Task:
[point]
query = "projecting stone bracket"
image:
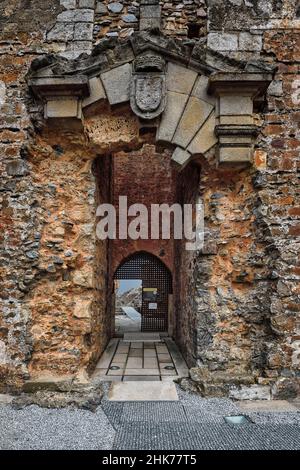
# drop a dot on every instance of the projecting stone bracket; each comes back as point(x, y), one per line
point(235, 126)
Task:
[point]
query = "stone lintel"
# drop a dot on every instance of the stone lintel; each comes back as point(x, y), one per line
point(241, 83)
point(60, 86)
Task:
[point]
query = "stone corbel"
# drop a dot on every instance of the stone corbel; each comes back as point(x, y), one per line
point(62, 96)
point(235, 125)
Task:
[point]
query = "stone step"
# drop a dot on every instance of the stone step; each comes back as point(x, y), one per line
point(144, 337)
point(142, 391)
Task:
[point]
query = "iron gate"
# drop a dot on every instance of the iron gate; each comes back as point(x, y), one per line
point(156, 287)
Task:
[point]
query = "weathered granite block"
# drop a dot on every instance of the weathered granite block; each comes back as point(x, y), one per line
point(83, 32)
point(205, 137)
point(86, 3)
point(97, 92)
point(222, 41)
point(78, 15)
point(115, 7)
point(61, 32)
point(117, 84)
point(181, 157)
point(171, 116)
point(61, 108)
point(250, 42)
point(180, 79)
point(233, 105)
point(194, 116)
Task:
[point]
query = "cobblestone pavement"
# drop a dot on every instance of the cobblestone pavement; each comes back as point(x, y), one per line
point(189, 424)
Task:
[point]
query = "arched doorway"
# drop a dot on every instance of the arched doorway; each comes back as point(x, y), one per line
point(156, 287)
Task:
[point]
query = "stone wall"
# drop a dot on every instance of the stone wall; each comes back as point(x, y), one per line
point(240, 327)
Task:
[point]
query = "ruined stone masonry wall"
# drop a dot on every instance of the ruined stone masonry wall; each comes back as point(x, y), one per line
point(241, 326)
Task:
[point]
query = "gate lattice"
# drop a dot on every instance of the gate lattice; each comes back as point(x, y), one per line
point(156, 287)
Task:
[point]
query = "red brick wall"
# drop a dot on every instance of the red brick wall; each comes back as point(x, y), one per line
point(145, 177)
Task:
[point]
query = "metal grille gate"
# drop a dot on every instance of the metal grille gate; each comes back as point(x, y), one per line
point(155, 276)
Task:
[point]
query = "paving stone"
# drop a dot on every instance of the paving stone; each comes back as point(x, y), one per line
point(205, 138)
point(140, 371)
point(120, 357)
point(163, 357)
point(149, 353)
point(194, 116)
point(108, 354)
point(144, 337)
point(180, 79)
point(143, 378)
point(137, 345)
point(136, 353)
point(150, 363)
point(134, 363)
point(143, 391)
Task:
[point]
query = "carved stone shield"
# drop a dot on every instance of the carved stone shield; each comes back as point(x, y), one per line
point(148, 95)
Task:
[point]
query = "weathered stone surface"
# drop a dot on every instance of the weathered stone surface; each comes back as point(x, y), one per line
point(86, 397)
point(129, 18)
point(230, 105)
point(254, 392)
point(78, 15)
point(170, 118)
point(194, 116)
point(181, 157)
point(200, 90)
point(115, 7)
point(83, 32)
point(86, 3)
point(286, 389)
point(180, 79)
point(61, 32)
point(62, 108)
point(97, 92)
point(205, 137)
point(17, 168)
point(222, 41)
point(117, 84)
point(250, 42)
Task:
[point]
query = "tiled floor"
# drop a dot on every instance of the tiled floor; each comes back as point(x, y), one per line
point(141, 360)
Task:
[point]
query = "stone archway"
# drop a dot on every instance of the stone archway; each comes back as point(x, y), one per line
point(203, 115)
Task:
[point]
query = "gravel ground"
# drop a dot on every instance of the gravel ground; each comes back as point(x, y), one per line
point(54, 429)
point(191, 423)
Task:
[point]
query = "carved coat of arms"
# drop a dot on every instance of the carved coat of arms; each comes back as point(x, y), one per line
point(148, 96)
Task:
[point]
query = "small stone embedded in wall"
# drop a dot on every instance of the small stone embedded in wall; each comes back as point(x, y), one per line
point(115, 7)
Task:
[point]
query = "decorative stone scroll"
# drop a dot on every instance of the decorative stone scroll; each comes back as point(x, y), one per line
point(148, 86)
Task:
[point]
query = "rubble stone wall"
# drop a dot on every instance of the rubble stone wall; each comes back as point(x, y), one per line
point(240, 328)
